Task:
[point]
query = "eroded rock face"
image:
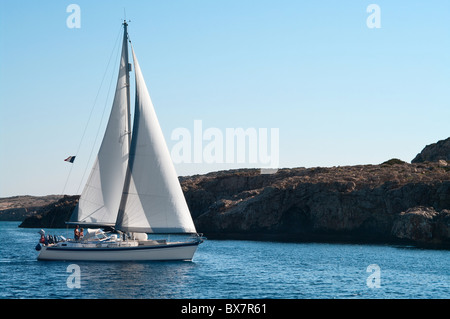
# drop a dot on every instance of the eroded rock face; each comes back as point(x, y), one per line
point(53, 215)
point(423, 225)
point(17, 208)
point(435, 152)
point(354, 203)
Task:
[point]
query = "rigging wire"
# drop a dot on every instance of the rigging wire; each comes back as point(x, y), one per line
point(90, 116)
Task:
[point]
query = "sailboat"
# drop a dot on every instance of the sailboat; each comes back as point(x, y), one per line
point(132, 190)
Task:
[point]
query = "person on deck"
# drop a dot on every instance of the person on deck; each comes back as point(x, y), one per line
point(42, 233)
point(76, 233)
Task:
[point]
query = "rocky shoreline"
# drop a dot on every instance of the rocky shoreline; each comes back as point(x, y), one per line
point(53, 215)
point(393, 202)
point(363, 204)
point(18, 208)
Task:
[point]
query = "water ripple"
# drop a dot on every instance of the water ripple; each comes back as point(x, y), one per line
point(230, 269)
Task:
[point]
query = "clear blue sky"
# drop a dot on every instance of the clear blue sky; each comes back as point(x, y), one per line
point(339, 92)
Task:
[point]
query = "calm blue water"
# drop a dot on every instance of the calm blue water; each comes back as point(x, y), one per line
point(229, 269)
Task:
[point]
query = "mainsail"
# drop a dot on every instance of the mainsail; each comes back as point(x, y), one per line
point(133, 185)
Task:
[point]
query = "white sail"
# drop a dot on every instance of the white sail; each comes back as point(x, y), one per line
point(100, 199)
point(153, 201)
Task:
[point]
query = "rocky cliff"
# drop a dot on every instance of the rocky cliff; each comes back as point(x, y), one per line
point(53, 215)
point(423, 225)
point(354, 203)
point(434, 152)
point(17, 208)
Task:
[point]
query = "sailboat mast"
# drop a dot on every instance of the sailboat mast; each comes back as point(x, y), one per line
point(127, 78)
point(126, 184)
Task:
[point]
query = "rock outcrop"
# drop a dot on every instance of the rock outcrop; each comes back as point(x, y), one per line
point(17, 208)
point(423, 225)
point(53, 215)
point(435, 152)
point(353, 203)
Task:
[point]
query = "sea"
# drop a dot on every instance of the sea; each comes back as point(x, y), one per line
point(228, 269)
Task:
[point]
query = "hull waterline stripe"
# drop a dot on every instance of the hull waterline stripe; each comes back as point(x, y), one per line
point(96, 249)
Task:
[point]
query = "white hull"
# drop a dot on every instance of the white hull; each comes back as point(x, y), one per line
point(162, 252)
